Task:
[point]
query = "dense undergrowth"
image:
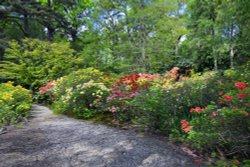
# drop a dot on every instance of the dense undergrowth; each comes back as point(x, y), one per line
point(209, 112)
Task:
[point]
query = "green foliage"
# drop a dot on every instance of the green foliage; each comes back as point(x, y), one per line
point(80, 93)
point(224, 125)
point(241, 73)
point(35, 62)
point(162, 106)
point(15, 102)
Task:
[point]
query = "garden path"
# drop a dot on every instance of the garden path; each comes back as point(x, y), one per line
point(49, 140)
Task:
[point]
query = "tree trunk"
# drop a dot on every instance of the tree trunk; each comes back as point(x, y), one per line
point(231, 57)
point(215, 60)
point(26, 26)
point(51, 31)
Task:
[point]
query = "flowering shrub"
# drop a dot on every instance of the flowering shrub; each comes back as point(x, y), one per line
point(45, 94)
point(125, 90)
point(224, 125)
point(15, 103)
point(81, 93)
point(162, 107)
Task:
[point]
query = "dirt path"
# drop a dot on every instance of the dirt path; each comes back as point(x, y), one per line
point(58, 141)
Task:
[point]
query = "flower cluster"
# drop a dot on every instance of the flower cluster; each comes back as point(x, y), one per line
point(127, 88)
point(145, 80)
point(197, 109)
point(240, 85)
point(15, 102)
point(48, 87)
point(129, 82)
point(185, 126)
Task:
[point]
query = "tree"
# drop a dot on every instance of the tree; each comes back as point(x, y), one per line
point(35, 62)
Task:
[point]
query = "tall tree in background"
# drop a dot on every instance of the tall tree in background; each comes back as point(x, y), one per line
point(139, 35)
point(203, 33)
point(136, 35)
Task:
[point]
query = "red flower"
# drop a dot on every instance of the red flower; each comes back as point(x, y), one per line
point(227, 98)
point(240, 85)
point(185, 126)
point(241, 96)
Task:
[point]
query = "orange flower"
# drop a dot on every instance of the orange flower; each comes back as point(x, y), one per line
point(185, 126)
point(187, 129)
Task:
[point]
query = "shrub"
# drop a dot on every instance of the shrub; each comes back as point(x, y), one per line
point(81, 93)
point(45, 94)
point(224, 125)
point(163, 107)
point(124, 91)
point(15, 103)
point(35, 62)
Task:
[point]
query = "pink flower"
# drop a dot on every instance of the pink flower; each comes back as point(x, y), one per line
point(192, 110)
point(42, 90)
point(198, 109)
point(113, 109)
point(109, 98)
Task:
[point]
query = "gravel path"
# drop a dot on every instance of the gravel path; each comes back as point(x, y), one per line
point(58, 141)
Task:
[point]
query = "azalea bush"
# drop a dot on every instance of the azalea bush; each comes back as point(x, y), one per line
point(45, 94)
point(223, 125)
point(124, 91)
point(15, 103)
point(162, 106)
point(80, 94)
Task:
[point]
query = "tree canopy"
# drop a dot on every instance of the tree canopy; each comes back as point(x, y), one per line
point(135, 35)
